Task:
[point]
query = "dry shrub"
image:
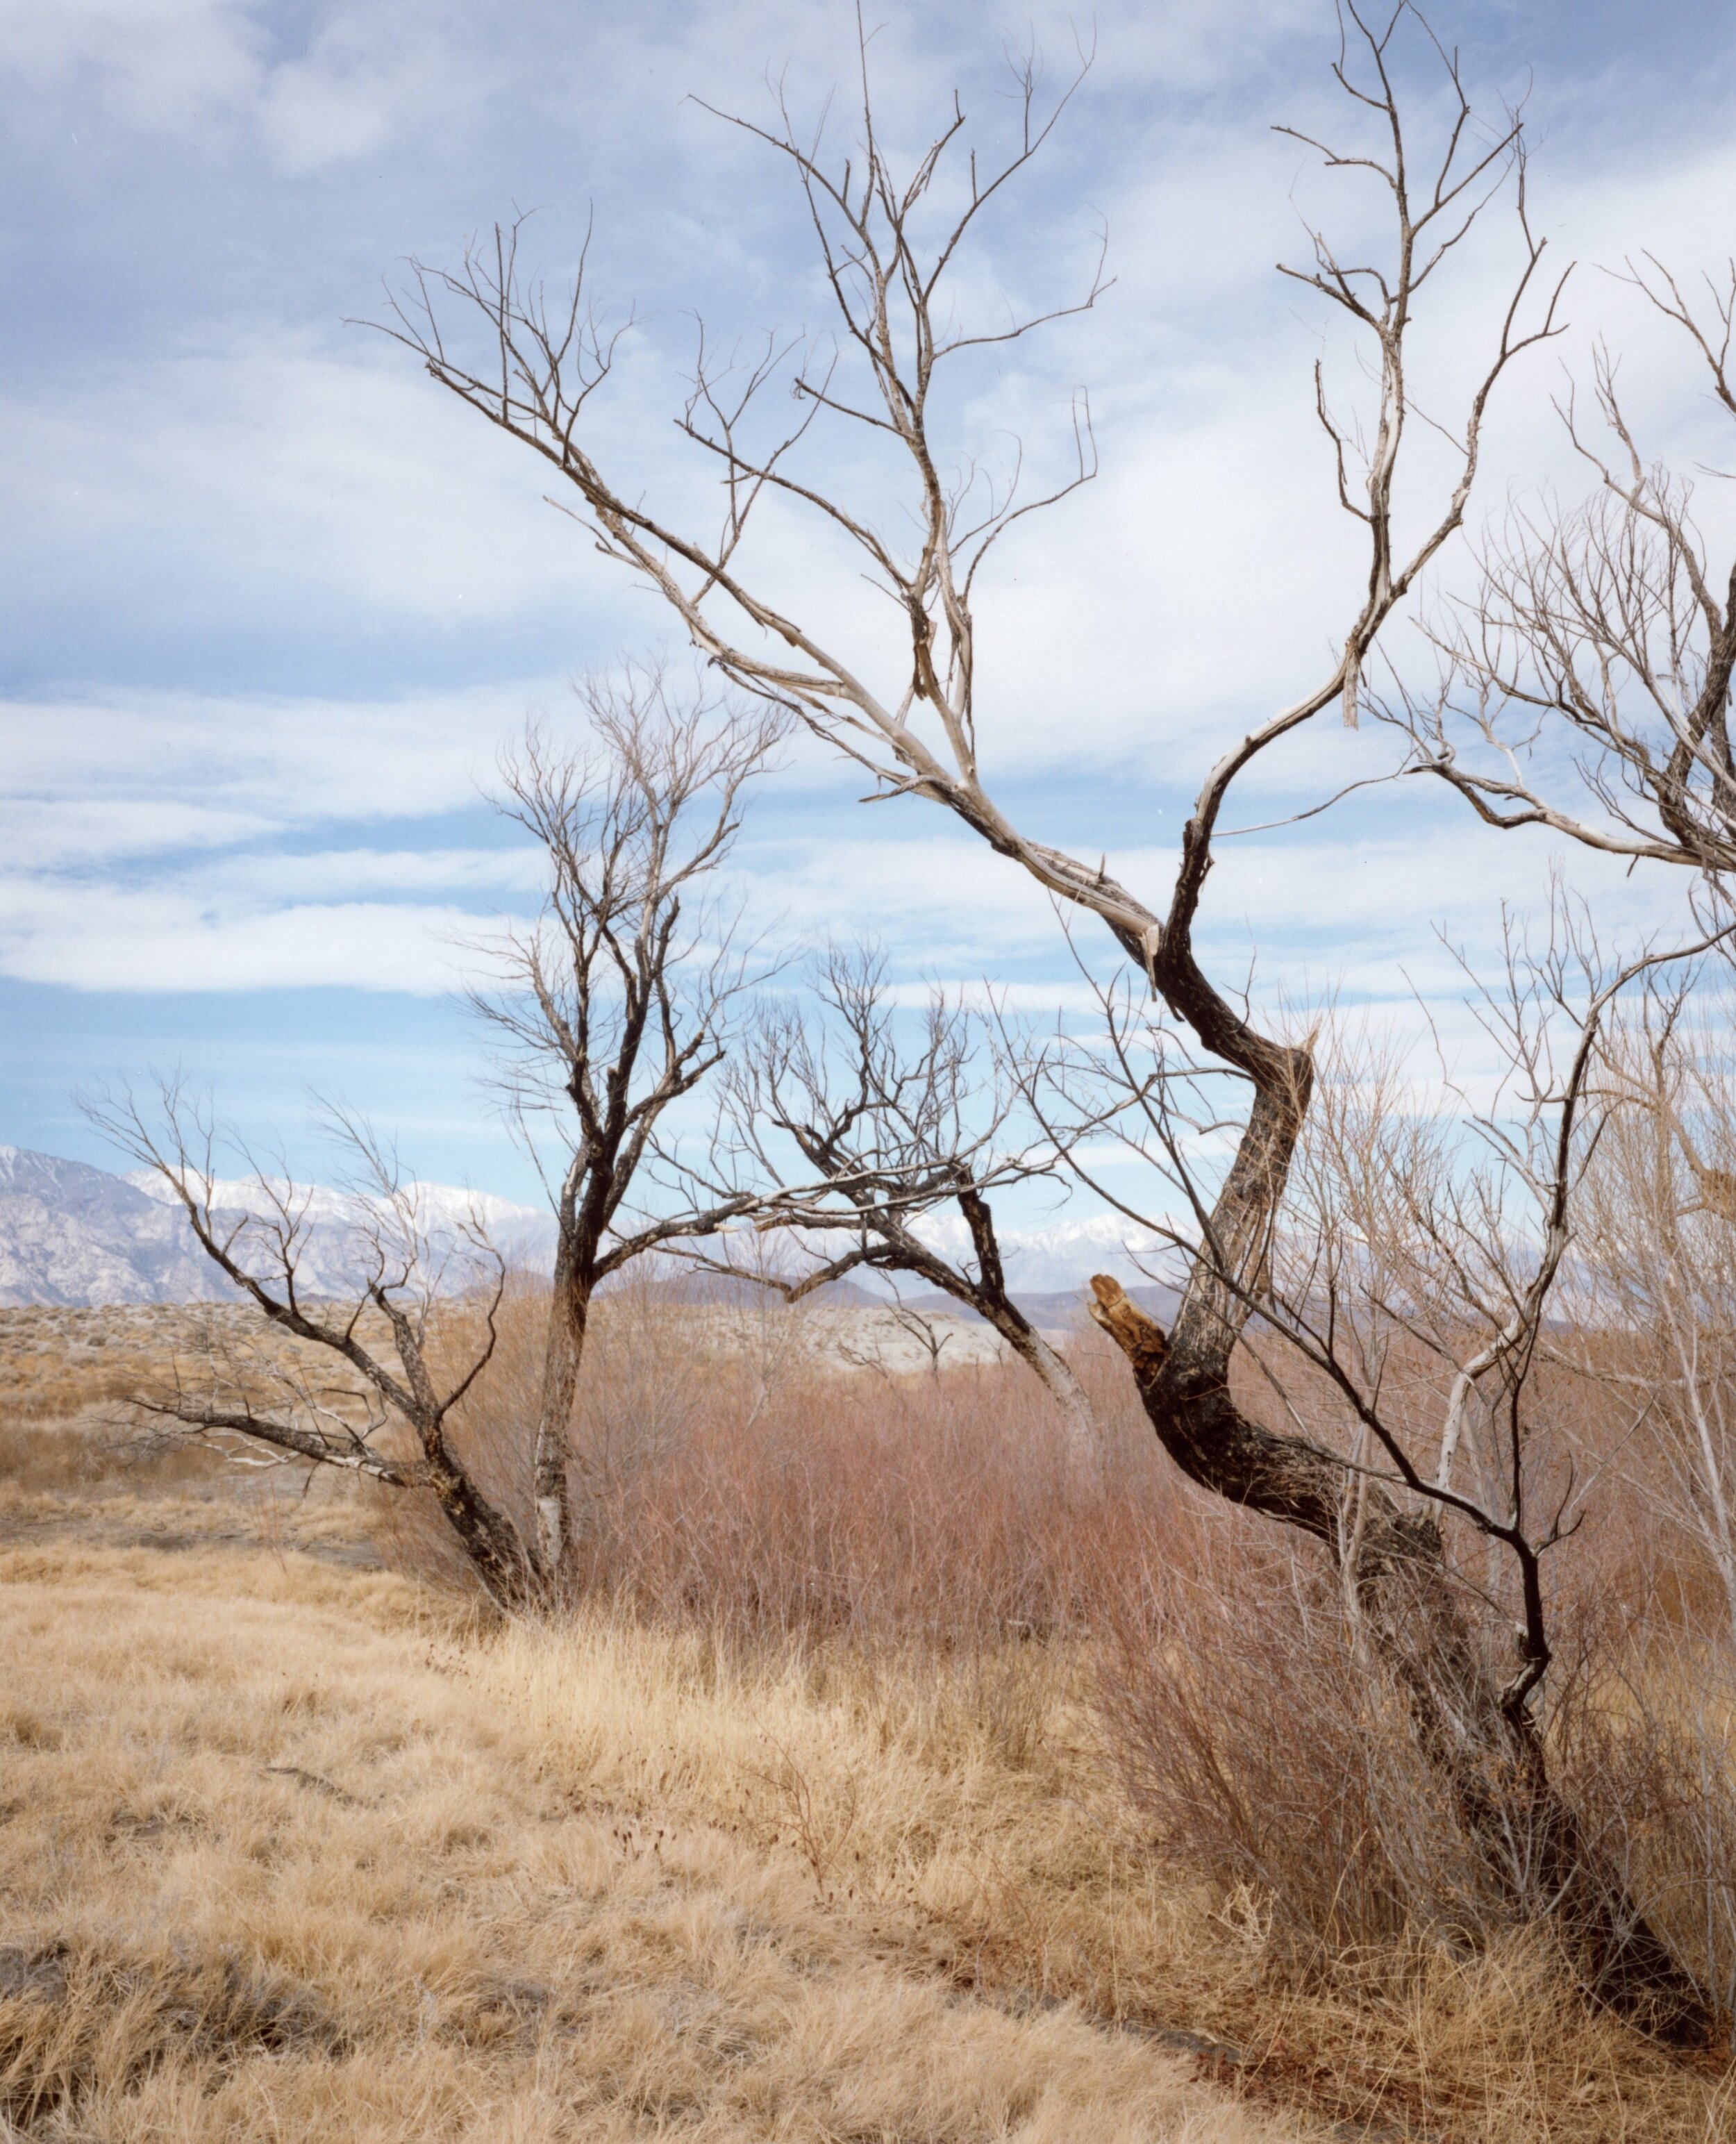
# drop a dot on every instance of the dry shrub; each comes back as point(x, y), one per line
point(273, 1762)
point(1643, 1735)
point(283, 1859)
point(1272, 1764)
point(58, 1361)
point(727, 1475)
point(733, 1483)
point(96, 1453)
point(1269, 1762)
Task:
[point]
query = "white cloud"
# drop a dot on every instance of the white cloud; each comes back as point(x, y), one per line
point(268, 473)
point(100, 884)
point(1208, 578)
point(59, 831)
point(156, 65)
point(217, 767)
point(226, 75)
point(246, 475)
point(370, 73)
point(517, 872)
point(102, 938)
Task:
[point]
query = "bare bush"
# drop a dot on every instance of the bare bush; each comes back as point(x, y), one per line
point(808, 1500)
point(855, 1137)
point(1265, 1761)
point(930, 1517)
point(1656, 1315)
point(376, 1321)
point(1268, 1763)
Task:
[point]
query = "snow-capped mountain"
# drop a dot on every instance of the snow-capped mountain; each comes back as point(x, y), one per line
point(523, 1235)
point(73, 1233)
point(70, 1234)
point(1062, 1256)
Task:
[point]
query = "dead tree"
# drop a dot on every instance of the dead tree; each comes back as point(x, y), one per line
point(371, 1300)
point(888, 245)
point(1607, 623)
point(849, 1135)
point(1398, 1271)
point(1659, 1278)
point(614, 1006)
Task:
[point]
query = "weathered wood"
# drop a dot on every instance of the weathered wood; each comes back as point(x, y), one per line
point(1489, 1750)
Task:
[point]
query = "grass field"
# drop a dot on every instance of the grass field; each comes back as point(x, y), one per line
point(293, 1845)
point(287, 1853)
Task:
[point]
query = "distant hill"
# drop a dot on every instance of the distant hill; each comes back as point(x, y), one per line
point(70, 1233)
point(73, 1233)
point(737, 1292)
point(523, 1235)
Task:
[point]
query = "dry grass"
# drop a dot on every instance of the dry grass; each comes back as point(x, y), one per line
point(76, 1460)
point(286, 1856)
point(288, 1852)
point(806, 1826)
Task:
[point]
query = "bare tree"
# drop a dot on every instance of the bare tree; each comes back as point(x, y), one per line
point(1399, 1315)
point(849, 1135)
point(614, 1005)
point(1606, 622)
point(372, 1302)
point(888, 245)
point(1656, 1318)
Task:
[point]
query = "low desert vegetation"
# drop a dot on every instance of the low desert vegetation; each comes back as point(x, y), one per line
point(1320, 1697)
point(287, 1854)
point(888, 1781)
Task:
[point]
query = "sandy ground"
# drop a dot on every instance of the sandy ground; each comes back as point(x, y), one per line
point(55, 1359)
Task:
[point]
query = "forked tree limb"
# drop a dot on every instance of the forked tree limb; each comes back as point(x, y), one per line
point(917, 736)
point(845, 1127)
point(264, 1260)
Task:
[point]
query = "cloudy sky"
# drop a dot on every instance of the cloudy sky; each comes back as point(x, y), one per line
point(273, 603)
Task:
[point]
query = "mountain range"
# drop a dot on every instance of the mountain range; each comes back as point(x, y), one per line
point(73, 1233)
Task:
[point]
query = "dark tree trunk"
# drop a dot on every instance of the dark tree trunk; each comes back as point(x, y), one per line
point(489, 1538)
point(1483, 1741)
point(1487, 1748)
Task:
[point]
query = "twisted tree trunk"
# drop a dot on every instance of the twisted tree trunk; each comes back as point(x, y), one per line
point(1483, 1741)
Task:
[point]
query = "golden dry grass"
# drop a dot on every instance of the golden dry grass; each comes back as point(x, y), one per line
point(971, 1824)
point(291, 1847)
point(288, 1851)
point(284, 1855)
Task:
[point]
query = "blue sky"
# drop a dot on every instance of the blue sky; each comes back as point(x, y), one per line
point(272, 603)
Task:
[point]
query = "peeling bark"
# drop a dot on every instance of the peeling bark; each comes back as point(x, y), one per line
point(569, 1309)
